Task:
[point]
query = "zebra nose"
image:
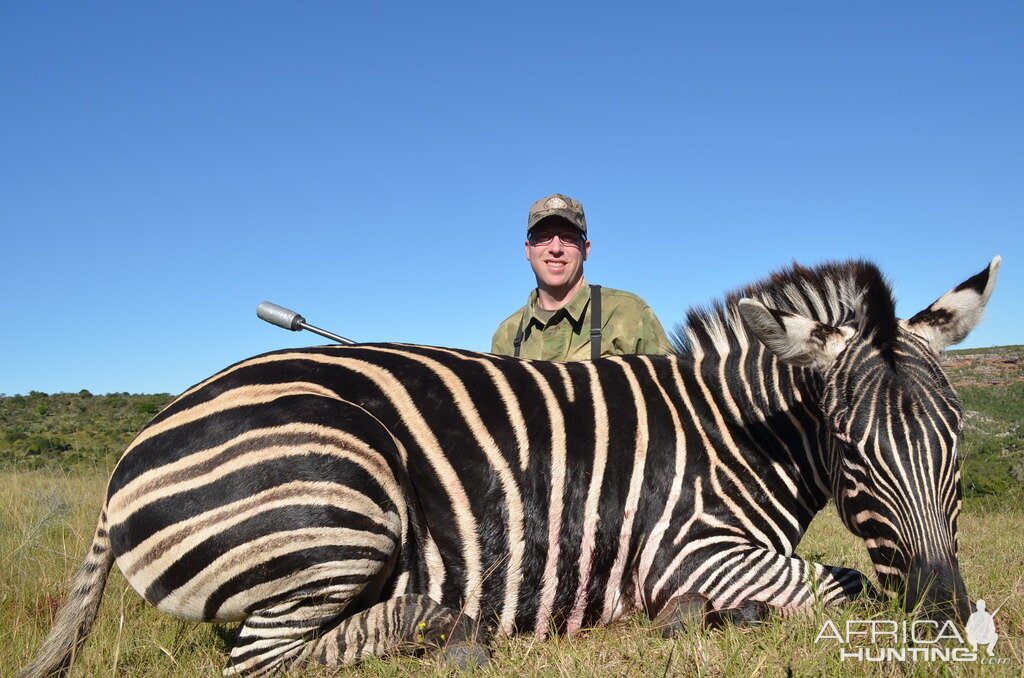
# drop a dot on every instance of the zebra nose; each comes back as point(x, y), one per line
point(935, 589)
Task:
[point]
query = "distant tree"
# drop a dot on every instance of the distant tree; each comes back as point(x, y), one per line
point(41, 444)
point(147, 407)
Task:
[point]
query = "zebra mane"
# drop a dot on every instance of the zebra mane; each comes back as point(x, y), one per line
point(839, 293)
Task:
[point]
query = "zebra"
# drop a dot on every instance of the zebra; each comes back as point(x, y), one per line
point(348, 501)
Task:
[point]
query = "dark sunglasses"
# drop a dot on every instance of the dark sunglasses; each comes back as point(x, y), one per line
point(568, 238)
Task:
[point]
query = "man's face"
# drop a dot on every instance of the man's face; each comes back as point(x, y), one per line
point(556, 264)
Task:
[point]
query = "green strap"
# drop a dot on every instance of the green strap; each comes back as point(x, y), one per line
point(518, 341)
point(595, 322)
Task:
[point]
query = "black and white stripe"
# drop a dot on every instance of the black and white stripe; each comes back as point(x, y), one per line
point(354, 500)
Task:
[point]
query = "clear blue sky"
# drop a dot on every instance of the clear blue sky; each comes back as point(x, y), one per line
point(164, 167)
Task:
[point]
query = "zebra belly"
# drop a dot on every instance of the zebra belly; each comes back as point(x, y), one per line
point(567, 572)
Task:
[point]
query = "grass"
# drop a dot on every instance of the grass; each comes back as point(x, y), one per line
point(46, 522)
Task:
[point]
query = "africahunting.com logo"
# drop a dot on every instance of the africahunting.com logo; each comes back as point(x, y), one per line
point(922, 640)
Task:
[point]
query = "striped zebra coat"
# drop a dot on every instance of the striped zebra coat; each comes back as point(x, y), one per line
point(343, 501)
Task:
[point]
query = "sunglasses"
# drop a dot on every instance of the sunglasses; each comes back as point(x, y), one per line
point(568, 238)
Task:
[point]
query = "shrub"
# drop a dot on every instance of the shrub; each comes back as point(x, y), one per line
point(147, 407)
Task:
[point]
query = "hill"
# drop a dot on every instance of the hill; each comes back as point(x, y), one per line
point(72, 430)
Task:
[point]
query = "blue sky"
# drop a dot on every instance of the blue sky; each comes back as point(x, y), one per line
point(166, 167)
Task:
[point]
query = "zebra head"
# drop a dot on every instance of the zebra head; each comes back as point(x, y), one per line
point(893, 423)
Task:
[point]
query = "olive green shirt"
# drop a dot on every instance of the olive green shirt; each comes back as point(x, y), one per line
point(628, 325)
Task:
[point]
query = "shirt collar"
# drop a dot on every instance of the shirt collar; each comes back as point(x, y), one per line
point(574, 309)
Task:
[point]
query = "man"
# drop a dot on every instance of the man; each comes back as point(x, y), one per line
point(557, 322)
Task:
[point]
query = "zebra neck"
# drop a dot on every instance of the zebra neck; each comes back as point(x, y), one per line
point(767, 418)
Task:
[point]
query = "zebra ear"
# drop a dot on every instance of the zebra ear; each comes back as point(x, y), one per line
point(952, 316)
point(793, 338)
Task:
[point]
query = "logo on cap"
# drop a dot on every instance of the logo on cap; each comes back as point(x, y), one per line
point(556, 204)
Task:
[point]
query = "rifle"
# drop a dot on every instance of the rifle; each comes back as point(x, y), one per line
point(290, 320)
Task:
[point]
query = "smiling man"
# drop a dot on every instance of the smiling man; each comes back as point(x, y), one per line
point(565, 318)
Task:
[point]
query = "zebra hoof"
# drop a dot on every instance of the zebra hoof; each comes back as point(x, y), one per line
point(680, 612)
point(466, 656)
point(749, 613)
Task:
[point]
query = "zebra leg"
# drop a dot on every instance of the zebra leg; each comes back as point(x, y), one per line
point(273, 637)
point(744, 588)
point(786, 583)
point(404, 624)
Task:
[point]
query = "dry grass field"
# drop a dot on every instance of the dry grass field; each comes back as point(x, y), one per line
point(46, 522)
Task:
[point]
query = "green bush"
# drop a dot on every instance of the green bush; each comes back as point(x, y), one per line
point(147, 407)
point(38, 444)
point(987, 475)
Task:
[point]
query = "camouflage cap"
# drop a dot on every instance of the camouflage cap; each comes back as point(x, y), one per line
point(558, 205)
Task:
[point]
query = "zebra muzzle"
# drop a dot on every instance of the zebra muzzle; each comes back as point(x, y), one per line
point(935, 589)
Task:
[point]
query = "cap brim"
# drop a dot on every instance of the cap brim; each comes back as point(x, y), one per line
point(541, 216)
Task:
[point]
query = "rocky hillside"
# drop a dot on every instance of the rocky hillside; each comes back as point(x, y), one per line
point(997, 366)
point(991, 383)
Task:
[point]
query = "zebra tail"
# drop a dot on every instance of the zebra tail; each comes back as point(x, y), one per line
point(75, 618)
